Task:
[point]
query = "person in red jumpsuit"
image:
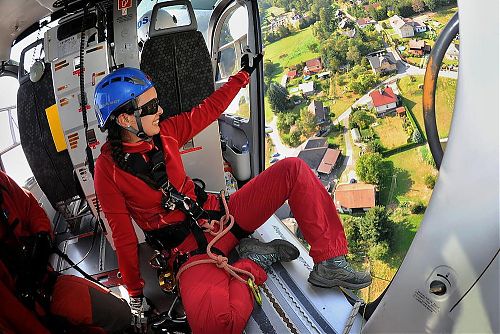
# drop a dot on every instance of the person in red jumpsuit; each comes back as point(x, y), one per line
point(215, 302)
point(35, 299)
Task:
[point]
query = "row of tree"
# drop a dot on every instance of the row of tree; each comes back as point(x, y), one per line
point(405, 8)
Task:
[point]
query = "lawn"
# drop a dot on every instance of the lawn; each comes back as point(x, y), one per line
point(443, 15)
point(445, 101)
point(408, 185)
point(270, 150)
point(268, 110)
point(336, 138)
point(291, 50)
point(405, 228)
point(390, 131)
point(276, 11)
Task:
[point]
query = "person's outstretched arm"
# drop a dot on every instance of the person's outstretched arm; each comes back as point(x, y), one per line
point(186, 125)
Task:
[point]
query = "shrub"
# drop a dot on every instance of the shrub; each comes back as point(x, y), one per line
point(430, 181)
point(378, 251)
point(417, 208)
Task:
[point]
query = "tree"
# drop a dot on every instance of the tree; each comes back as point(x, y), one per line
point(417, 5)
point(374, 146)
point(307, 122)
point(286, 120)
point(269, 68)
point(431, 4)
point(369, 168)
point(360, 119)
point(351, 228)
point(353, 54)
point(376, 226)
point(278, 97)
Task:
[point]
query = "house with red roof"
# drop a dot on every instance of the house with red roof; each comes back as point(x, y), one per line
point(365, 22)
point(353, 197)
point(384, 100)
point(313, 66)
point(292, 74)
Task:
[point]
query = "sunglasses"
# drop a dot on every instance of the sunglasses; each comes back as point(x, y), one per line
point(149, 108)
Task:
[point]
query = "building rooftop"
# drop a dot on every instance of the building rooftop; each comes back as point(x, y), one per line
point(355, 195)
point(381, 98)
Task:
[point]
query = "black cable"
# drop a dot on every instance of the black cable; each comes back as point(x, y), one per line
point(70, 262)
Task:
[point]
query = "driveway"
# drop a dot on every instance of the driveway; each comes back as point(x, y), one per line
point(279, 146)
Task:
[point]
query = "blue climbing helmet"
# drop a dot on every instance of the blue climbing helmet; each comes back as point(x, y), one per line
point(119, 90)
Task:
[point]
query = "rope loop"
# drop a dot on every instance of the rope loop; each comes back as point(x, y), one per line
point(219, 260)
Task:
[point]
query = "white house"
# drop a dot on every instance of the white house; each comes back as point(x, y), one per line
point(307, 88)
point(402, 26)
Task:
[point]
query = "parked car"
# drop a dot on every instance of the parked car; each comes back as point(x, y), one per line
point(321, 133)
point(275, 155)
point(273, 160)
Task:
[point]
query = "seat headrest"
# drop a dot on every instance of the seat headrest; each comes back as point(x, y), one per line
point(172, 17)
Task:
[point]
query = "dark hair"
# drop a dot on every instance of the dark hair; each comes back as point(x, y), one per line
point(115, 140)
point(119, 157)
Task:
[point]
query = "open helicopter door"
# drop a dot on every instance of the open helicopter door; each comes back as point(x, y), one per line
point(449, 280)
point(290, 303)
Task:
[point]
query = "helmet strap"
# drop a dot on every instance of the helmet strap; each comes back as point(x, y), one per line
point(140, 131)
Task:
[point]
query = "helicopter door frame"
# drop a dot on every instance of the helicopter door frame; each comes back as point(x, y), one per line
point(254, 129)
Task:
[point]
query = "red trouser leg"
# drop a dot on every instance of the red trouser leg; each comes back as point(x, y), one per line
point(216, 302)
point(84, 303)
point(291, 179)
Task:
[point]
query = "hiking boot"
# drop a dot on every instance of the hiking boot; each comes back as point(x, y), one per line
point(338, 272)
point(265, 254)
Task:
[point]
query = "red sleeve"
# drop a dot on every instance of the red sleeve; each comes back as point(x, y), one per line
point(26, 207)
point(186, 125)
point(114, 207)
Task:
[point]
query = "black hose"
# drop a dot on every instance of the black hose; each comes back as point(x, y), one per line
point(430, 81)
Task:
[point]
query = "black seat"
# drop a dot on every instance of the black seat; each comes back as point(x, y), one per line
point(178, 61)
point(52, 170)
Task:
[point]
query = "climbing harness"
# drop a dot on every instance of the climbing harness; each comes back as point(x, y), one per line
point(168, 238)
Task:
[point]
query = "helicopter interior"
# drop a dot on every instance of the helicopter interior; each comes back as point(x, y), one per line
point(189, 49)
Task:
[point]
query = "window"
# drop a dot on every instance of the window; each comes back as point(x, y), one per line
point(231, 45)
point(11, 154)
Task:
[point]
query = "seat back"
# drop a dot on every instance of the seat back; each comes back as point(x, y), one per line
point(52, 170)
point(178, 61)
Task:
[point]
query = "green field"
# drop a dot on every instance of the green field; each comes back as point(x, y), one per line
point(276, 11)
point(290, 51)
point(443, 15)
point(390, 131)
point(445, 101)
point(409, 185)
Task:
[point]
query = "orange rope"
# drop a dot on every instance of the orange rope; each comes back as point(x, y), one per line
point(219, 260)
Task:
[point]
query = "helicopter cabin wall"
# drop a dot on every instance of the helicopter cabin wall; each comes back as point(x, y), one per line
point(202, 156)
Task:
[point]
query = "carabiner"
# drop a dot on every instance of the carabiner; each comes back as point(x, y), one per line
point(255, 291)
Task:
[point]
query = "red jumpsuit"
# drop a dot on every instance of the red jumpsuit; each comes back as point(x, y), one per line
point(214, 301)
point(79, 301)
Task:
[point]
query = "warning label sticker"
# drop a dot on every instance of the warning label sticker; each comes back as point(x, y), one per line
point(428, 303)
point(124, 4)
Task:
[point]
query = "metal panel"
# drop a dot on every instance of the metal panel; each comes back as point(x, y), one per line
point(459, 234)
point(125, 34)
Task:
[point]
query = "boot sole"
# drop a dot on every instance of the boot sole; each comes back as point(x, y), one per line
point(278, 245)
point(330, 283)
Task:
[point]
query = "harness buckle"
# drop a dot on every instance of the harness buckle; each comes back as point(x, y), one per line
point(255, 291)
